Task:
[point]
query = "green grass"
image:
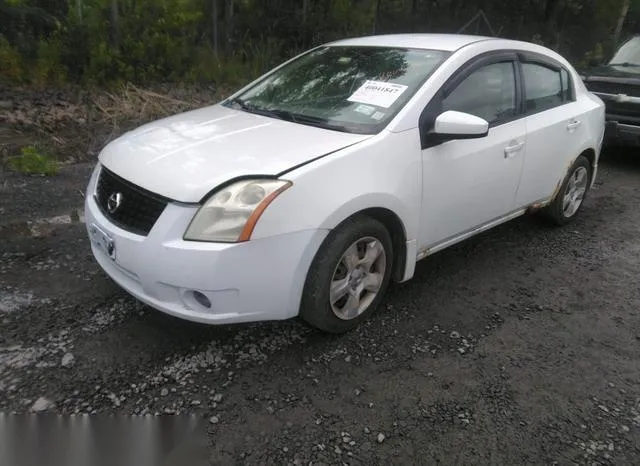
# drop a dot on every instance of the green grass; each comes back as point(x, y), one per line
point(32, 161)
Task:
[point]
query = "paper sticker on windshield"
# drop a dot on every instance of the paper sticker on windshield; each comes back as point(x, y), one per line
point(378, 93)
point(365, 109)
point(377, 116)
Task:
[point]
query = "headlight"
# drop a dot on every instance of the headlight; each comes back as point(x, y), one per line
point(230, 215)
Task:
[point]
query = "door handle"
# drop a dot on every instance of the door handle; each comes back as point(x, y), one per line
point(512, 149)
point(573, 125)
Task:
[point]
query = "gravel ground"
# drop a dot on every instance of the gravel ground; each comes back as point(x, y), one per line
point(520, 346)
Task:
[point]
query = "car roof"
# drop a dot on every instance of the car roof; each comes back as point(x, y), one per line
point(446, 42)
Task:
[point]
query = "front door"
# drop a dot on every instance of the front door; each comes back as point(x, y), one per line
point(469, 183)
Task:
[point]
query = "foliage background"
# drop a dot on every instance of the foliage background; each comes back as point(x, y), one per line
point(75, 74)
point(227, 42)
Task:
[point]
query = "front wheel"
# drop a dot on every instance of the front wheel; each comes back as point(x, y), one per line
point(348, 276)
point(571, 194)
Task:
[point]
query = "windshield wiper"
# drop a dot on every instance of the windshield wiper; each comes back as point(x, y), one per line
point(320, 123)
point(287, 115)
point(275, 112)
point(270, 112)
point(626, 64)
point(240, 103)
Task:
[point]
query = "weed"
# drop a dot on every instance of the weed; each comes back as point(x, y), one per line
point(32, 161)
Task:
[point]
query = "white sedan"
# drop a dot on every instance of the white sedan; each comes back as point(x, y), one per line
point(309, 190)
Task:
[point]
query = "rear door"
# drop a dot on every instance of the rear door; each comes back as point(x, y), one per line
point(556, 127)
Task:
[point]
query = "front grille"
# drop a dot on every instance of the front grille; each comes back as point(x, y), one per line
point(607, 87)
point(139, 209)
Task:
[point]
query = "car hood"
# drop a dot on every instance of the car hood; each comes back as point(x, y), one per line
point(185, 156)
point(617, 74)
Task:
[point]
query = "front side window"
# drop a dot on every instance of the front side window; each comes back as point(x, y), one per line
point(347, 88)
point(543, 87)
point(489, 93)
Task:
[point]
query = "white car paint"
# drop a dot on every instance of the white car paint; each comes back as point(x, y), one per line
point(550, 132)
point(440, 194)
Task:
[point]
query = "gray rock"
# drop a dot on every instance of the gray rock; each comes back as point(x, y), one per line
point(381, 437)
point(41, 404)
point(214, 420)
point(68, 360)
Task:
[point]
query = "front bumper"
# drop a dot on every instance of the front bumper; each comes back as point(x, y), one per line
point(622, 119)
point(624, 134)
point(244, 282)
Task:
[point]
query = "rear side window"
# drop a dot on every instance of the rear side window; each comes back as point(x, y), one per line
point(545, 87)
point(489, 93)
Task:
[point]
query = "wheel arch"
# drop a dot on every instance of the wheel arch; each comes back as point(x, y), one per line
point(396, 229)
point(388, 212)
point(591, 155)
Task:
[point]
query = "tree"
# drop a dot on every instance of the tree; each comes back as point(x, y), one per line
point(621, 19)
point(214, 26)
point(143, 40)
point(115, 24)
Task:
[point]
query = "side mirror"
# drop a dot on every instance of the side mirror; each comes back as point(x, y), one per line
point(452, 125)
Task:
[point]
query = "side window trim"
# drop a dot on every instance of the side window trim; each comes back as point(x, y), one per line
point(473, 65)
point(433, 108)
point(571, 89)
point(533, 57)
point(541, 60)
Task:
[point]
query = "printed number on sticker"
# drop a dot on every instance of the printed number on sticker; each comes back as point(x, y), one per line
point(378, 93)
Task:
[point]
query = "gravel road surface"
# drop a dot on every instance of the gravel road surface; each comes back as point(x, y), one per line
point(520, 346)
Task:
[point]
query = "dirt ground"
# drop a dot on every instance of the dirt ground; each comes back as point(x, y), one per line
point(519, 346)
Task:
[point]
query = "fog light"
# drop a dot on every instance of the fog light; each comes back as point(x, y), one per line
point(201, 299)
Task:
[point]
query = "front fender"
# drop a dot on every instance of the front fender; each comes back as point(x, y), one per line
point(364, 202)
point(382, 172)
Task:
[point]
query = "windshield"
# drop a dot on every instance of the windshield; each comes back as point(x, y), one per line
point(628, 54)
point(345, 88)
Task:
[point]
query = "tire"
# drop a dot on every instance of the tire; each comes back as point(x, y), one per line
point(344, 262)
point(578, 177)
